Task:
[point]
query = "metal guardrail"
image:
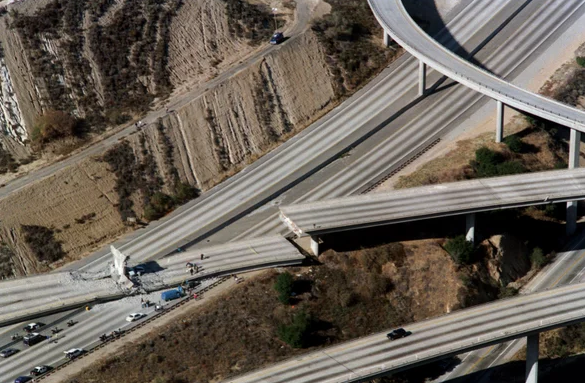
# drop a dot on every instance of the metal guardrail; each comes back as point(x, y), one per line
point(99, 344)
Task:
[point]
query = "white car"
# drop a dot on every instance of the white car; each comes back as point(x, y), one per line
point(73, 353)
point(134, 316)
point(32, 326)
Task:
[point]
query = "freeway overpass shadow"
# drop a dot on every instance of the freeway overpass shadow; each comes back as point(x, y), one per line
point(539, 226)
point(429, 18)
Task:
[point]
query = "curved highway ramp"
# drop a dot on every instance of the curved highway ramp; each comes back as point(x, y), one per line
point(434, 201)
point(393, 17)
point(373, 356)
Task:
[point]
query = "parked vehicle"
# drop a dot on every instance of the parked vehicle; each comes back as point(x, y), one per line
point(277, 38)
point(136, 271)
point(8, 352)
point(23, 379)
point(397, 334)
point(33, 338)
point(40, 370)
point(134, 316)
point(73, 353)
point(169, 295)
point(32, 327)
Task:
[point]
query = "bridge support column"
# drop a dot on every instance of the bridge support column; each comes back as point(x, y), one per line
point(500, 121)
point(470, 227)
point(315, 245)
point(574, 154)
point(387, 39)
point(422, 78)
point(532, 359)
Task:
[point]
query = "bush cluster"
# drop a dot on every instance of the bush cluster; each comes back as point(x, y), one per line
point(253, 22)
point(347, 35)
point(43, 243)
point(297, 333)
point(537, 258)
point(460, 249)
point(489, 163)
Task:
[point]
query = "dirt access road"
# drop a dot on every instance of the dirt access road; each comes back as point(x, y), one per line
point(304, 10)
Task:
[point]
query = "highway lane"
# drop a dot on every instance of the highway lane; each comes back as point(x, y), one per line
point(101, 319)
point(433, 201)
point(568, 267)
point(397, 22)
point(433, 339)
point(364, 167)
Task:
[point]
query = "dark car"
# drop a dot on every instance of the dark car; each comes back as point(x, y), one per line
point(8, 352)
point(32, 339)
point(277, 38)
point(40, 370)
point(397, 334)
point(23, 379)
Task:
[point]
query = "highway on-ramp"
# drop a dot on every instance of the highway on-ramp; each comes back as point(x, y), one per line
point(394, 18)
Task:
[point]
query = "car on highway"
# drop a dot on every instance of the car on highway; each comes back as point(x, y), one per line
point(33, 326)
point(33, 338)
point(277, 38)
point(73, 353)
point(23, 379)
point(397, 334)
point(40, 370)
point(8, 352)
point(134, 316)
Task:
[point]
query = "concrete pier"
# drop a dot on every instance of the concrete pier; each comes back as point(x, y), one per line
point(422, 78)
point(532, 358)
point(499, 121)
point(387, 39)
point(574, 154)
point(470, 227)
point(315, 246)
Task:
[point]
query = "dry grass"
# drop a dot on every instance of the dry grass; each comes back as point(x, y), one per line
point(545, 152)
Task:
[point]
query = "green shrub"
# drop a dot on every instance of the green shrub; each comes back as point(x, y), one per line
point(537, 258)
point(460, 249)
point(510, 168)
point(514, 143)
point(159, 205)
point(185, 192)
point(284, 287)
point(296, 334)
point(489, 163)
point(580, 60)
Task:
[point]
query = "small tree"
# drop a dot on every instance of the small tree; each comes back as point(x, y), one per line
point(52, 125)
point(460, 249)
point(537, 258)
point(296, 334)
point(580, 60)
point(284, 287)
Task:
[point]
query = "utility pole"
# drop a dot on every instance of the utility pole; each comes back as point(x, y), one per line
point(274, 10)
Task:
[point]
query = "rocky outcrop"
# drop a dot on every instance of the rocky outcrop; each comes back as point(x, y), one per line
point(507, 258)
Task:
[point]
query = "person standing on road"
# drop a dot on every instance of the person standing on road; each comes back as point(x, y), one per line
point(201, 256)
